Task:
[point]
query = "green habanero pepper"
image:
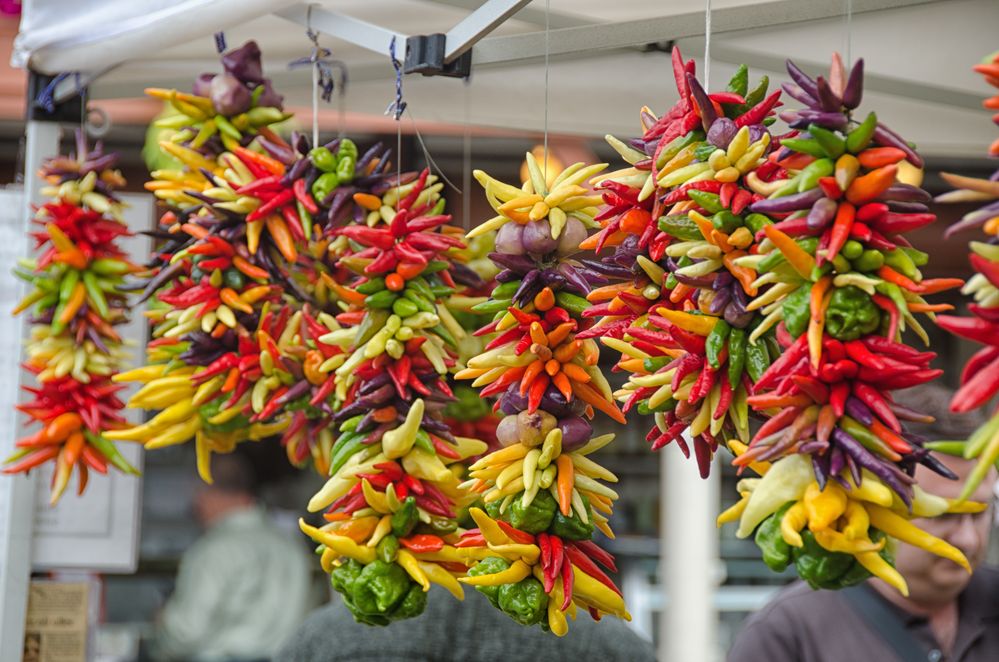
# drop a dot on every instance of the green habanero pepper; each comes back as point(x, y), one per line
point(324, 185)
point(776, 552)
point(489, 566)
point(538, 515)
point(404, 519)
point(413, 604)
point(817, 565)
point(525, 602)
point(737, 340)
point(573, 528)
point(493, 508)
point(345, 169)
point(347, 149)
point(323, 159)
point(797, 310)
point(851, 314)
point(716, 342)
point(380, 587)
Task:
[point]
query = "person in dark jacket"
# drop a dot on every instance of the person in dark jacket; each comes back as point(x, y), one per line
point(949, 615)
point(451, 631)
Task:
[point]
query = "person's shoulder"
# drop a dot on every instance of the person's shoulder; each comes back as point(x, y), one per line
point(796, 603)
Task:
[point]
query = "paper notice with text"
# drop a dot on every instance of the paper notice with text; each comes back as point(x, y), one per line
point(56, 627)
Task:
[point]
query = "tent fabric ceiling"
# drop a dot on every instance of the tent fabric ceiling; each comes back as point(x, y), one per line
point(918, 58)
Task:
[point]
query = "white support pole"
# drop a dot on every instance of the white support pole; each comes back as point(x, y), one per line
point(17, 512)
point(373, 37)
point(689, 559)
point(478, 24)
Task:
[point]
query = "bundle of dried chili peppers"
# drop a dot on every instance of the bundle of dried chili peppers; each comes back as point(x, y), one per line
point(678, 308)
point(74, 349)
point(844, 285)
point(392, 502)
point(531, 551)
point(980, 378)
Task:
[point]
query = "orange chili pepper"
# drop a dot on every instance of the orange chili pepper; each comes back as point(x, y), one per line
point(576, 373)
point(929, 307)
point(195, 231)
point(869, 186)
point(368, 201)
point(310, 367)
point(608, 292)
point(545, 299)
point(744, 275)
point(229, 297)
point(565, 481)
point(593, 397)
point(248, 269)
point(230, 380)
point(282, 237)
point(562, 383)
point(560, 333)
point(384, 415)
point(590, 243)
point(272, 166)
point(635, 220)
point(818, 291)
point(552, 367)
point(73, 304)
point(61, 426)
point(840, 231)
point(534, 369)
point(565, 352)
point(394, 282)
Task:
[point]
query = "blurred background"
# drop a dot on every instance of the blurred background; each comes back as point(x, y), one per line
point(918, 57)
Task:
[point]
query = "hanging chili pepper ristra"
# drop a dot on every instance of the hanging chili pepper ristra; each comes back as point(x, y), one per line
point(74, 349)
point(836, 458)
point(392, 500)
point(541, 494)
point(980, 378)
point(679, 222)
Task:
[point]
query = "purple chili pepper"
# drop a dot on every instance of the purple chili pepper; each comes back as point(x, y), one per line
point(854, 90)
point(827, 98)
point(794, 202)
point(859, 411)
point(821, 214)
point(802, 79)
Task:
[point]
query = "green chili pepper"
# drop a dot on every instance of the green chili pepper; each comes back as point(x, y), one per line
point(506, 290)
point(870, 260)
point(234, 278)
point(371, 286)
point(95, 295)
point(404, 519)
point(674, 146)
point(323, 159)
point(797, 311)
point(858, 139)
point(757, 93)
point(324, 185)
point(654, 363)
point(809, 177)
point(851, 314)
point(918, 257)
point(841, 265)
point(387, 548)
point(525, 602)
point(575, 305)
point(345, 447)
point(739, 82)
point(715, 342)
point(422, 303)
point(756, 222)
point(726, 221)
point(351, 423)
point(489, 566)
point(776, 552)
point(680, 227)
point(737, 340)
point(671, 282)
point(710, 202)
point(573, 528)
point(536, 517)
point(833, 144)
point(211, 409)
point(703, 152)
point(808, 146)
point(757, 359)
point(404, 307)
point(382, 299)
point(900, 261)
point(893, 292)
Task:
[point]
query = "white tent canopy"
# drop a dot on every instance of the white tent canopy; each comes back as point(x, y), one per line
point(918, 54)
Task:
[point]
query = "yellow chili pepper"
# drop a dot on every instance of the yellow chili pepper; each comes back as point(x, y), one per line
point(899, 527)
point(412, 567)
point(518, 570)
point(792, 523)
point(340, 544)
point(824, 506)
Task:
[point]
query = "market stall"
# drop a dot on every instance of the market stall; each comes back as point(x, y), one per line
point(313, 291)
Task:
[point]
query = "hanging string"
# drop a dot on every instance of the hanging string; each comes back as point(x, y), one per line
point(426, 154)
point(323, 80)
point(707, 46)
point(547, 55)
point(397, 107)
point(466, 165)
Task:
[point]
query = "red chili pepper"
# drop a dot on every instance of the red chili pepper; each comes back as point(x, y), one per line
point(516, 534)
point(978, 390)
point(261, 184)
point(794, 353)
point(837, 398)
point(584, 563)
point(873, 399)
point(272, 205)
point(979, 360)
point(423, 542)
point(815, 389)
point(303, 196)
point(567, 582)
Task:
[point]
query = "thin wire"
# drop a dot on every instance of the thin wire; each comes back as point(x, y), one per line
point(397, 107)
point(426, 154)
point(547, 54)
point(341, 112)
point(466, 166)
point(315, 83)
point(707, 46)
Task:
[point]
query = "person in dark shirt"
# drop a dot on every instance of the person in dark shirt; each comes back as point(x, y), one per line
point(949, 616)
point(451, 631)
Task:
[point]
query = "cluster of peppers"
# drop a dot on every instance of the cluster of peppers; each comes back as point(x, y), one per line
point(531, 551)
point(767, 278)
point(77, 299)
point(980, 378)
